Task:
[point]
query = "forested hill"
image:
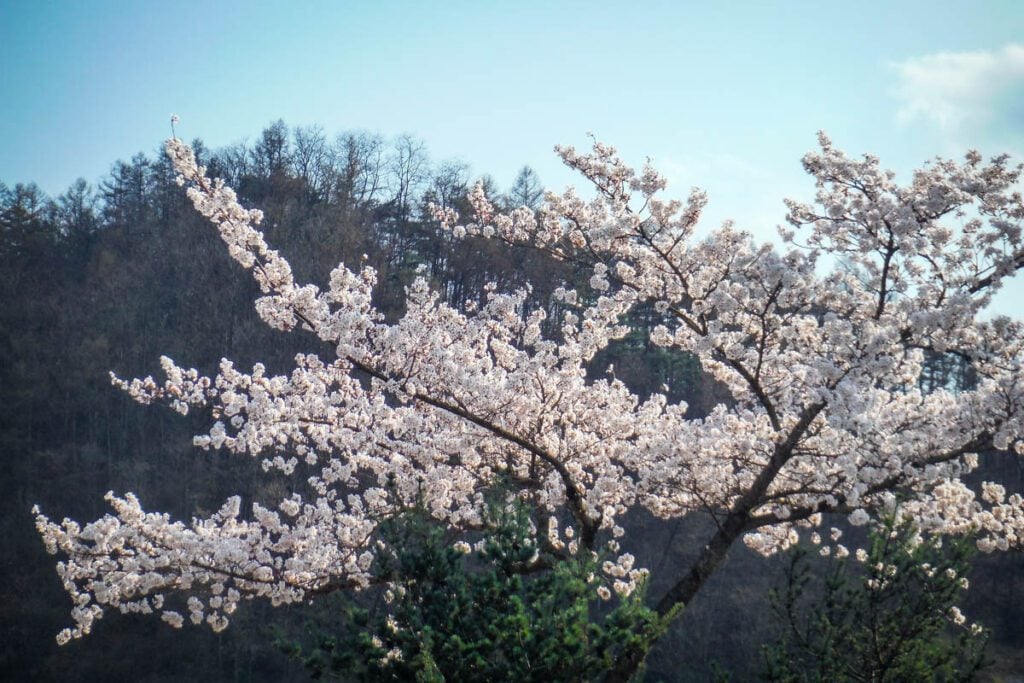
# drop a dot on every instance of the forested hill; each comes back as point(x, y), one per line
point(111, 277)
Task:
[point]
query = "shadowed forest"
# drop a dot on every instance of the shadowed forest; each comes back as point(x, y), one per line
point(108, 278)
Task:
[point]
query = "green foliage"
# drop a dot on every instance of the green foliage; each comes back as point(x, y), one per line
point(891, 616)
point(502, 612)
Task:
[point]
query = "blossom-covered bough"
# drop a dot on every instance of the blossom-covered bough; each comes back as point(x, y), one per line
point(824, 416)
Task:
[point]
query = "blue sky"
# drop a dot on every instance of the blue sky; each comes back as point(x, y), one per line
point(723, 95)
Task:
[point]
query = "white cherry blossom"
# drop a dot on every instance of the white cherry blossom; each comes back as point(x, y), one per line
point(824, 415)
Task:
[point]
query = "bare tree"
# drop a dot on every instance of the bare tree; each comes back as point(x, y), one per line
point(526, 190)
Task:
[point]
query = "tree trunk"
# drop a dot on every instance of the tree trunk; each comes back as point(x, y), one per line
point(683, 592)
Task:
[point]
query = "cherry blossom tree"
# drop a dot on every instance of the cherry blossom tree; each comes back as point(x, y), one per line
point(824, 414)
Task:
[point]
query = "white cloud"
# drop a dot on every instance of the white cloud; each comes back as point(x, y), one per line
point(963, 91)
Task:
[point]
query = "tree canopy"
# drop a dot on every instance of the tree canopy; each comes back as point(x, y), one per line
point(823, 412)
